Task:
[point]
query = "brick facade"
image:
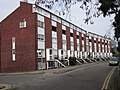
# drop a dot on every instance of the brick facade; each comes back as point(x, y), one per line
point(26, 39)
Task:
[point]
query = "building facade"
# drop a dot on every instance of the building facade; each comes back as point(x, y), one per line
point(32, 38)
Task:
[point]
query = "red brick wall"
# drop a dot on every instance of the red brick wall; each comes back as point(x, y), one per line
point(48, 33)
point(110, 46)
point(92, 39)
point(97, 45)
point(80, 40)
point(59, 35)
point(75, 40)
point(101, 44)
point(104, 47)
point(68, 37)
point(85, 42)
point(107, 47)
point(26, 60)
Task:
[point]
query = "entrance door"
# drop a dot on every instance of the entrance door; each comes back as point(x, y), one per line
point(41, 63)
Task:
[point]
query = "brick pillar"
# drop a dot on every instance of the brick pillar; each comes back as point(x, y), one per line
point(59, 35)
point(92, 39)
point(80, 40)
point(68, 37)
point(101, 45)
point(85, 42)
point(48, 33)
point(104, 46)
point(75, 40)
point(107, 47)
point(97, 45)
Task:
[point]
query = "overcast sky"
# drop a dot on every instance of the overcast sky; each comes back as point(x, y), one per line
point(101, 25)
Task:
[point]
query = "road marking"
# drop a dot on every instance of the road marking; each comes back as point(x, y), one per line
point(107, 80)
point(5, 86)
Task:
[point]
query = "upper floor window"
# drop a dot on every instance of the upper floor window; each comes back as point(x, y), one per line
point(41, 24)
point(22, 24)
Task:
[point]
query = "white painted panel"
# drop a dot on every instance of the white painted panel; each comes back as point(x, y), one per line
point(13, 57)
point(76, 54)
point(63, 27)
point(41, 31)
point(77, 40)
point(71, 26)
point(83, 42)
point(71, 30)
point(77, 33)
point(40, 18)
point(54, 23)
point(46, 13)
point(54, 45)
point(67, 24)
point(63, 37)
point(90, 44)
point(41, 45)
point(54, 34)
point(13, 45)
point(71, 39)
point(94, 38)
point(90, 37)
point(82, 35)
point(64, 46)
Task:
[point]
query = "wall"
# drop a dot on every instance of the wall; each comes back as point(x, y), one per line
point(25, 40)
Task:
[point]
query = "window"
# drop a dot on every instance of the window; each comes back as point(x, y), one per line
point(53, 28)
point(63, 32)
point(41, 37)
point(13, 48)
point(41, 24)
point(22, 24)
point(50, 52)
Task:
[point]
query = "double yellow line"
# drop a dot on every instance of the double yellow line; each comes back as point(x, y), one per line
point(107, 80)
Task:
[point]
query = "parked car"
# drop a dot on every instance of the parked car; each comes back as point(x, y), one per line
point(114, 61)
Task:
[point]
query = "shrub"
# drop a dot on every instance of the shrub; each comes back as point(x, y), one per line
point(72, 61)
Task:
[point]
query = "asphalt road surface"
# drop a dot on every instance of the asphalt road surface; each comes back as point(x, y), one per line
point(85, 78)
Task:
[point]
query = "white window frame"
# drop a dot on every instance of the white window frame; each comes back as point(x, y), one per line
point(13, 49)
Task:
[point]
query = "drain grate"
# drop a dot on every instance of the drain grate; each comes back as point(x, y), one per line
point(4, 86)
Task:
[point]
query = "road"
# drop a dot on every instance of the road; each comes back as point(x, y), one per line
point(91, 77)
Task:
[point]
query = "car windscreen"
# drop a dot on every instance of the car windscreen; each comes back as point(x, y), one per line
point(114, 58)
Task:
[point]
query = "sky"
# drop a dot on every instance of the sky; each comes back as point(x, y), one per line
point(101, 25)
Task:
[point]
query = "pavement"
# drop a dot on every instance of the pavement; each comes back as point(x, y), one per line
point(52, 71)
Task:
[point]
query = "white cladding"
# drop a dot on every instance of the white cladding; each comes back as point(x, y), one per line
point(40, 11)
point(77, 33)
point(65, 23)
point(71, 30)
point(63, 27)
point(41, 31)
point(56, 18)
point(54, 23)
point(40, 17)
point(41, 45)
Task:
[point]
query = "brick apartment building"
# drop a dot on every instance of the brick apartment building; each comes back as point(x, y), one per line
point(32, 38)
